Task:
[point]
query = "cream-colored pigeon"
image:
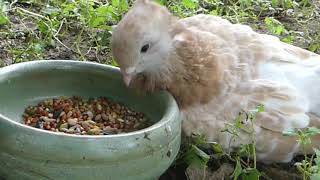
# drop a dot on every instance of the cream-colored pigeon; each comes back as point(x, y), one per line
point(214, 69)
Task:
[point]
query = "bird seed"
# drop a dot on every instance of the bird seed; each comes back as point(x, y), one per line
point(75, 115)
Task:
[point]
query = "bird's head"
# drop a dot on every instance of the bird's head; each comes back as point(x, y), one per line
point(141, 42)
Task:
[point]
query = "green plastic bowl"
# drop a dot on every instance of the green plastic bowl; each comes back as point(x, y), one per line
point(30, 153)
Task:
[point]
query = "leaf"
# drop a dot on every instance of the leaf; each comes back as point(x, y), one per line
point(217, 148)
point(201, 154)
point(190, 4)
point(317, 159)
point(38, 48)
point(69, 9)
point(237, 171)
point(314, 169)
point(121, 5)
point(239, 122)
point(51, 11)
point(103, 36)
point(162, 2)
point(315, 177)
point(314, 47)
point(245, 3)
point(214, 12)
point(114, 63)
point(115, 3)
point(275, 3)
point(251, 174)
point(3, 19)
point(124, 6)
point(288, 39)
point(304, 140)
point(100, 17)
point(317, 151)
point(196, 156)
point(274, 26)
point(311, 131)
point(43, 27)
point(260, 108)
point(245, 150)
point(231, 129)
point(199, 140)
point(289, 132)
point(279, 30)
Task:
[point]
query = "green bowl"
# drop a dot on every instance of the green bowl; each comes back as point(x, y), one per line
point(30, 153)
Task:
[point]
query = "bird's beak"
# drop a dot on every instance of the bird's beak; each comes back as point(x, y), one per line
point(127, 75)
point(127, 79)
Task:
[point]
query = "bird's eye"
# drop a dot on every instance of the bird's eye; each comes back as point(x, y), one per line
point(145, 48)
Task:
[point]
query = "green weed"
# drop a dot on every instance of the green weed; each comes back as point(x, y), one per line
point(309, 166)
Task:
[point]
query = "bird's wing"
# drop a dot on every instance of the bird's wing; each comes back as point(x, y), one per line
point(239, 35)
point(284, 106)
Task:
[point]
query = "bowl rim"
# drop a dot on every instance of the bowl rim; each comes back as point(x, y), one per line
point(171, 110)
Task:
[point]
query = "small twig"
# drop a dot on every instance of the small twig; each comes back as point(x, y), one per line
point(28, 29)
point(57, 39)
point(58, 31)
point(37, 15)
point(97, 57)
point(34, 14)
point(11, 4)
point(20, 53)
point(89, 50)
point(77, 44)
point(61, 24)
point(186, 174)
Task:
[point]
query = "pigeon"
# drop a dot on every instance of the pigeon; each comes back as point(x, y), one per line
point(216, 69)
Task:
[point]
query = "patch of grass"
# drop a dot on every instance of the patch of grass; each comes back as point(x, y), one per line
point(81, 29)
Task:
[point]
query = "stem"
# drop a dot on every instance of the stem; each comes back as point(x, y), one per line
point(246, 164)
point(204, 173)
point(20, 53)
point(254, 155)
point(253, 137)
point(305, 167)
point(306, 174)
point(311, 160)
point(77, 44)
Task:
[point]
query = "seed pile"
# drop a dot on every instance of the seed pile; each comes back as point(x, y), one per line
point(75, 115)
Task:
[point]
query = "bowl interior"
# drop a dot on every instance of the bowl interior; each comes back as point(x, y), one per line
point(28, 83)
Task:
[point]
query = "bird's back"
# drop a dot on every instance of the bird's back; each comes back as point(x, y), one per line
point(285, 78)
point(277, 61)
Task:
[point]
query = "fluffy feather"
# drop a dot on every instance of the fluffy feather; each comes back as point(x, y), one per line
point(214, 69)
